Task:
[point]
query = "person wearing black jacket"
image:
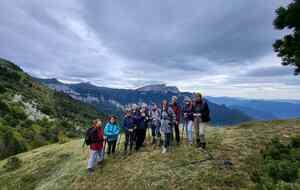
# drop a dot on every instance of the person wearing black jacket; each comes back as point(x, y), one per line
point(141, 119)
point(201, 116)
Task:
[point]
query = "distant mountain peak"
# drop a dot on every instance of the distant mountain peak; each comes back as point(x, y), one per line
point(51, 80)
point(159, 88)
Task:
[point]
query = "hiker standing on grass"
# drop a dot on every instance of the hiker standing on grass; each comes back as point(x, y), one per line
point(128, 127)
point(188, 119)
point(95, 138)
point(138, 132)
point(167, 119)
point(201, 116)
point(176, 109)
point(141, 119)
point(155, 123)
point(135, 116)
point(145, 120)
point(111, 131)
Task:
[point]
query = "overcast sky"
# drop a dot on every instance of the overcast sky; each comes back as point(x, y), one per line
point(221, 48)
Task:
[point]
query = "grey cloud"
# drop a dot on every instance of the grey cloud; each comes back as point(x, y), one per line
point(157, 31)
point(193, 44)
point(270, 72)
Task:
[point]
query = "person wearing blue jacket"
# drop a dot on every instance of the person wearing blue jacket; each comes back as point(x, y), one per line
point(111, 131)
point(128, 126)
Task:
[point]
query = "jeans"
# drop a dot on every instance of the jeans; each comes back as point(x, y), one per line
point(167, 139)
point(199, 130)
point(95, 155)
point(189, 130)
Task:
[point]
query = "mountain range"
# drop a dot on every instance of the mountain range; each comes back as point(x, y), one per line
point(225, 110)
point(262, 109)
point(114, 100)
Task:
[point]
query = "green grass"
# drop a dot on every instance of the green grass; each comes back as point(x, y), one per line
point(63, 166)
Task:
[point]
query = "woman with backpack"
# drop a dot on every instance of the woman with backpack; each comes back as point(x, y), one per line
point(95, 138)
point(167, 119)
point(111, 131)
point(201, 116)
point(188, 119)
point(155, 123)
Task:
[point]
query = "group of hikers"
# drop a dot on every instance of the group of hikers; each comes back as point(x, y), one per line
point(163, 123)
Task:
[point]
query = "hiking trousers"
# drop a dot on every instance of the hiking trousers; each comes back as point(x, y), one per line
point(144, 135)
point(140, 137)
point(95, 155)
point(189, 131)
point(167, 139)
point(177, 133)
point(112, 146)
point(129, 139)
point(199, 130)
point(155, 131)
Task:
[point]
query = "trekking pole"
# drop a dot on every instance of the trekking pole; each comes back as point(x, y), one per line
point(83, 143)
point(119, 141)
point(182, 130)
point(104, 147)
point(148, 135)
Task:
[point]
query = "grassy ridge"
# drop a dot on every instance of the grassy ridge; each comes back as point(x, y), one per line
point(32, 115)
point(62, 166)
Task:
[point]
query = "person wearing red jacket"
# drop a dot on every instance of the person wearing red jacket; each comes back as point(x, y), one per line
point(176, 109)
point(96, 147)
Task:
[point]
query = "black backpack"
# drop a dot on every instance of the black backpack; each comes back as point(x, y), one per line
point(91, 136)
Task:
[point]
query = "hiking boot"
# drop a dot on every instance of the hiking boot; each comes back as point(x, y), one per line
point(198, 143)
point(100, 163)
point(153, 142)
point(90, 171)
point(203, 145)
point(161, 142)
point(163, 150)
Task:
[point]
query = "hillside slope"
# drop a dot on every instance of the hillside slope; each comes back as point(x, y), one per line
point(32, 115)
point(236, 153)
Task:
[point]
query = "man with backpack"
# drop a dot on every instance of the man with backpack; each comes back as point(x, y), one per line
point(95, 138)
point(128, 126)
point(167, 119)
point(176, 109)
point(111, 131)
point(201, 116)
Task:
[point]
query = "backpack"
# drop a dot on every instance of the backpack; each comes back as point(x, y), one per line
point(91, 136)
